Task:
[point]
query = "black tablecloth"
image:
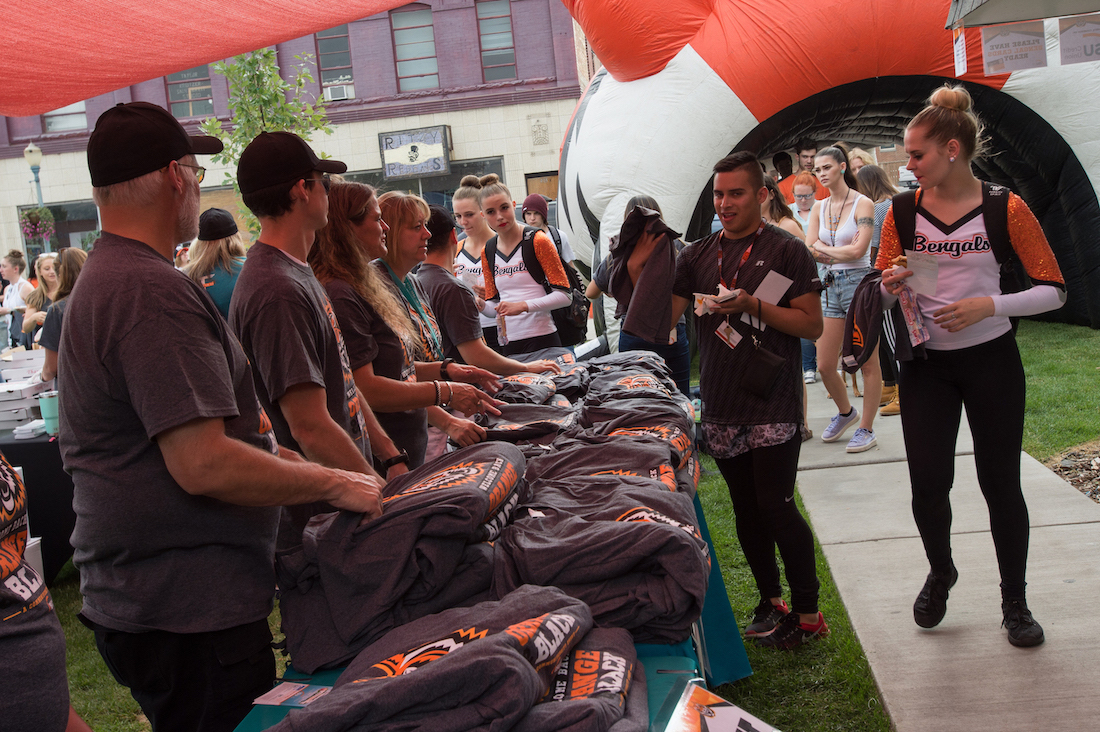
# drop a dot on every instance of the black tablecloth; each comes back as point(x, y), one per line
point(49, 496)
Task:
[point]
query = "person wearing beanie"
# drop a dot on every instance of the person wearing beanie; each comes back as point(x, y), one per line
point(536, 213)
point(216, 257)
point(177, 478)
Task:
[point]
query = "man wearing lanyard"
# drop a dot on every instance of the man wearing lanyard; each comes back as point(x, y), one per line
point(754, 437)
point(285, 322)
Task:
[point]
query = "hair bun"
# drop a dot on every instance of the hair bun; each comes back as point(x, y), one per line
point(488, 180)
point(951, 97)
point(470, 181)
point(15, 253)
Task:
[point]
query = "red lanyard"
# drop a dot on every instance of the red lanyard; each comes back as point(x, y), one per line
point(744, 258)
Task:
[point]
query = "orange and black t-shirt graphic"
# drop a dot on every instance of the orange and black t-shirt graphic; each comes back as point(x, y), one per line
point(546, 638)
point(676, 437)
point(409, 661)
point(13, 520)
point(358, 425)
point(652, 516)
point(586, 674)
point(497, 478)
point(664, 473)
point(640, 382)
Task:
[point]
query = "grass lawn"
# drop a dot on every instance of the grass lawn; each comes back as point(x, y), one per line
point(1062, 363)
point(820, 687)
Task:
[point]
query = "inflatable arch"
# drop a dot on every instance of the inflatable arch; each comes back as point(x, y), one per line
point(684, 83)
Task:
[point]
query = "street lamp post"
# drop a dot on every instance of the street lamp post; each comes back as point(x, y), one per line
point(33, 155)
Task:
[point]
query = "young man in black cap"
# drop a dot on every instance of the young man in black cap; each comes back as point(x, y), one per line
point(285, 320)
point(175, 471)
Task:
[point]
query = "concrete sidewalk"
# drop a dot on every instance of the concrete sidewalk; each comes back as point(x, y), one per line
point(963, 674)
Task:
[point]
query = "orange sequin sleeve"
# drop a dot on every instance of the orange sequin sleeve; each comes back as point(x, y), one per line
point(888, 245)
point(490, 280)
point(1031, 244)
point(548, 257)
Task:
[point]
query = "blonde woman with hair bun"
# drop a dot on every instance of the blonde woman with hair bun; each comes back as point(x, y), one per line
point(970, 358)
point(467, 265)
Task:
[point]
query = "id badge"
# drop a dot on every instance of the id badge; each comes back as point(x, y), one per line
point(728, 335)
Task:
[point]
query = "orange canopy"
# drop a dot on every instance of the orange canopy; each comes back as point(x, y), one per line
point(64, 51)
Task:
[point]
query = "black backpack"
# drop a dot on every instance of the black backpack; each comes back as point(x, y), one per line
point(570, 320)
point(995, 212)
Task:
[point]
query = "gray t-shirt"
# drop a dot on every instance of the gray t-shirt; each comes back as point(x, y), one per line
point(153, 354)
point(454, 305)
point(51, 329)
point(289, 331)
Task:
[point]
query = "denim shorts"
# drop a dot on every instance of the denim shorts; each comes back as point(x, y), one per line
point(837, 296)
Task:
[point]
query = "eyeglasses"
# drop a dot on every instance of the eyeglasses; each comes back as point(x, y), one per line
point(804, 197)
point(325, 181)
point(200, 172)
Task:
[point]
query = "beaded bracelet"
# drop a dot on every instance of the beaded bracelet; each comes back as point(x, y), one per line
point(436, 385)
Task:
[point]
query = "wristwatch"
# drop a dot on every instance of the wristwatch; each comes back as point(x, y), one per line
point(399, 458)
point(443, 368)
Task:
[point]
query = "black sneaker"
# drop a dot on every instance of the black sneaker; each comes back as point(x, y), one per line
point(1023, 631)
point(792, 632)
point(765, 617)
point(931, 604)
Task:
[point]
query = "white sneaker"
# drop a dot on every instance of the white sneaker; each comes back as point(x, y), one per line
point(839, 425)
point(809, 377)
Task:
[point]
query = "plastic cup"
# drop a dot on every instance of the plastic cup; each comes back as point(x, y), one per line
point(47, 403)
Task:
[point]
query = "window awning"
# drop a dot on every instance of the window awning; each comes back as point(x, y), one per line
point(975, 13)
point(63, 51)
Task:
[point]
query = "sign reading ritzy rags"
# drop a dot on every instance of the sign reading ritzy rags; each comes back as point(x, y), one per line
point(415, 153)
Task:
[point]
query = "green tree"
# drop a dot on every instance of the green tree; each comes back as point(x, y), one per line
point(261, 100)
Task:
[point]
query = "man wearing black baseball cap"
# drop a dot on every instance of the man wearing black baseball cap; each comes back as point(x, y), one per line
point(176, 474)
point(285, 321)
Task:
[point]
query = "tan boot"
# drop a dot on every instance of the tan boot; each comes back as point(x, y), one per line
point(888, 393)
point(894, 407)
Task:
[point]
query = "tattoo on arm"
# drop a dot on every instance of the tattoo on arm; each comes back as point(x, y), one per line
point(868, 221)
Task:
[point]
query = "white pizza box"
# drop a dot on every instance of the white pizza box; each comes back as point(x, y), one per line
point(18, 415)
point(21, 389)
point(25, 403)
point(18, 374)
point(24, 358)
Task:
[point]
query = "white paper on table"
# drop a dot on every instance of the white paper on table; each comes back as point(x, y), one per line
point(771, 290)
point(925, 268)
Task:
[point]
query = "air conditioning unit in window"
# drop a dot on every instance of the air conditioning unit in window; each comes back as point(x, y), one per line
point(340, 92)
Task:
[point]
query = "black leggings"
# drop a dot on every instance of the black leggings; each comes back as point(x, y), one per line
point(761, 484)
point(989, 380)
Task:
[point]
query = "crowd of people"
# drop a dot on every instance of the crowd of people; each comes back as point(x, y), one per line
point(206, 416)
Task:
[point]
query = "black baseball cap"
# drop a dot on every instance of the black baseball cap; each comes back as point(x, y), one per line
point(215, 224)
point(131, 140)
point(274, 158)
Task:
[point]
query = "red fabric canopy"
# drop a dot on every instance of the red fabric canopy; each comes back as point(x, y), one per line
point(64, 51)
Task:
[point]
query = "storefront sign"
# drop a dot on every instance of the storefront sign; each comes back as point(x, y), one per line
point(417, 153)
point(1079, 38)
point(1013, 47)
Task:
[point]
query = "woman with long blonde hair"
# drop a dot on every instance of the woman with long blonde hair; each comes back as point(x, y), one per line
point(216, 257)
point(40, 296)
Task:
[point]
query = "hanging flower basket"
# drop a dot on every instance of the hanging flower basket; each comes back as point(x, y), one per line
point(36, 223)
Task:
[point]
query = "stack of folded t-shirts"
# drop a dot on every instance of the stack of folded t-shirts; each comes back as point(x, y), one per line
point(527, 422)
point(488, 667)
point(526, 388)
point(631, 552)
point(350, 583)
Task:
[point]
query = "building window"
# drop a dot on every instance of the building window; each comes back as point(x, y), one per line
point(498, 49)
point(334, 63)
point(414, 49)
point(189, 93)
point(67, 118)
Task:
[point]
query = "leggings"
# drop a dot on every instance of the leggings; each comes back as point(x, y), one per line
point(989, 380)
point(761, 485)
